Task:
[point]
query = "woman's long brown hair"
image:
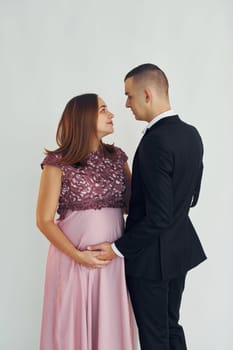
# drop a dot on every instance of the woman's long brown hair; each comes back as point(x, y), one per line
point(76, 130)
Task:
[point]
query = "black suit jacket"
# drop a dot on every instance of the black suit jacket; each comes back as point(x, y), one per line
point(160, 241)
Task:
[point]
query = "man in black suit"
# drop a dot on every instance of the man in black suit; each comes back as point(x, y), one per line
point(159, 243)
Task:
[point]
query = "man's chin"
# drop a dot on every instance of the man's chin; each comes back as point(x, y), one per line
point(136, 116)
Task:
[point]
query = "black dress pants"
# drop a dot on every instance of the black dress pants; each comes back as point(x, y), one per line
point(156, 306)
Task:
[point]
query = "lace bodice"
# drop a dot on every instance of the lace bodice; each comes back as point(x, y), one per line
point(100, 183)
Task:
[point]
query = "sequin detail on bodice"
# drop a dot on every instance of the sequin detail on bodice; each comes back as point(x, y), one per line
point(100, 183)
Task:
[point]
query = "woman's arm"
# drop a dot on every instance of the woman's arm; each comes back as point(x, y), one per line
point(128, 186)
point(49, 192)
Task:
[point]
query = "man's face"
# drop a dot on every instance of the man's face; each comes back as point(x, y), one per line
point(136, 99)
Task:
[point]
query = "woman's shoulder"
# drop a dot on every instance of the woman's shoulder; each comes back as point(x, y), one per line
point(120, 154)
point(52, 158)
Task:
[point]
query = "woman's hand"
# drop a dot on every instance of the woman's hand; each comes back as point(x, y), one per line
point(89, 259)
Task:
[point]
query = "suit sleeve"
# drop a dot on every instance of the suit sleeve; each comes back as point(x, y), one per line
point(155, 166)
point(197, 188)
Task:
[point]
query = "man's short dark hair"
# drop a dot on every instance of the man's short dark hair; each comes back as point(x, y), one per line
point(153, 72)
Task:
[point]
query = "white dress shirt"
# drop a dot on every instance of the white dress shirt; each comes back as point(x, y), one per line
point(166, 114)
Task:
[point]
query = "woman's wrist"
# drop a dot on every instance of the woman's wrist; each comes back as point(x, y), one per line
point(78, 254)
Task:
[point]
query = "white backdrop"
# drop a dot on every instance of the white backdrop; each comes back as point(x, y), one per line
point(53, 50)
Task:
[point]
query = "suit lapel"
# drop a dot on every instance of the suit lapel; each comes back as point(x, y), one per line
point(166, 120)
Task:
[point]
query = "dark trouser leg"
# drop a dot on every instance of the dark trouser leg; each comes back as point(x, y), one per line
point(176, 333)
point(150, 303)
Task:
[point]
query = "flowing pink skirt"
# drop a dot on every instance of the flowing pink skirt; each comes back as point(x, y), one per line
point(87, 309)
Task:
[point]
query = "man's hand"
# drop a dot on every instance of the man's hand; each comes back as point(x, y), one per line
point(105, 251)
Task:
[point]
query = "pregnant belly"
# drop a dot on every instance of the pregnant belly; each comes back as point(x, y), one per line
point(91, 226)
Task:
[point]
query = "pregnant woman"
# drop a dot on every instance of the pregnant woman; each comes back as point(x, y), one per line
point(86, 304)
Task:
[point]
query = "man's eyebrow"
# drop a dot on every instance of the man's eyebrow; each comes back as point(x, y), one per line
point(126, 93)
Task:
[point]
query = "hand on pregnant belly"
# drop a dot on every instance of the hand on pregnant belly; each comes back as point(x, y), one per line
point(105, 251)
point(91, 260)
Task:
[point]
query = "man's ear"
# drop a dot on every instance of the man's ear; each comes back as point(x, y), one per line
point(148, 95)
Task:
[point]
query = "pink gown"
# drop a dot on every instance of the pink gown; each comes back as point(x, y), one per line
point(88, 309)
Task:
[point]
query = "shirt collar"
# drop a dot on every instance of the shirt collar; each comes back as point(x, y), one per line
point(165, 114)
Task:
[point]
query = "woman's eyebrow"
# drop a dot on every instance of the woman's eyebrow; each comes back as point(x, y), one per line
point(102, 106)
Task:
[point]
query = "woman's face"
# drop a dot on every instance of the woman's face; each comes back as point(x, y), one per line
point(104, 120)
